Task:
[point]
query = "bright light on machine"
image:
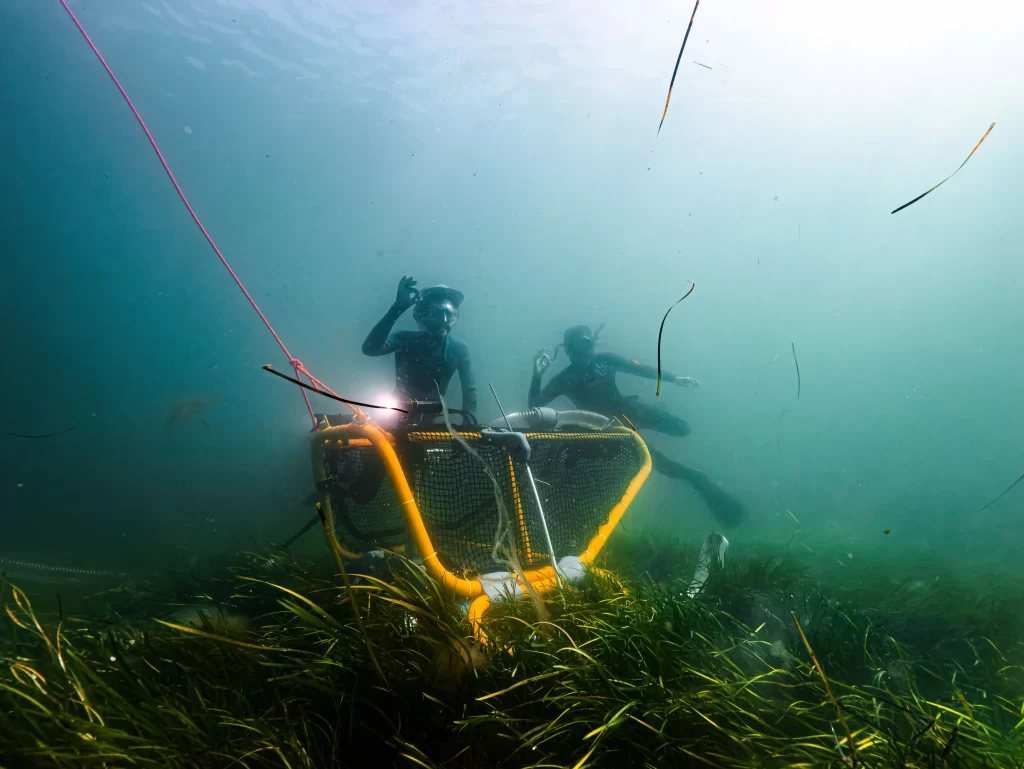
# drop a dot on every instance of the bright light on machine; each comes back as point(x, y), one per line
point(386, 399)
point(386, 416)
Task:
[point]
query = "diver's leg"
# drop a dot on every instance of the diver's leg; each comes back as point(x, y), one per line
point(672, 469)
point(644, 415)
point(728, 510)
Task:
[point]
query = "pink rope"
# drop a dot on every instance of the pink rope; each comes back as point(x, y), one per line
point(295, 363)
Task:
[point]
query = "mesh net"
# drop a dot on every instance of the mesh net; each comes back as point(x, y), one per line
point(366, 511)
point(579, 477)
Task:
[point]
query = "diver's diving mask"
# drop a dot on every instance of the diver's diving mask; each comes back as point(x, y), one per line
point(438, 317)
point(579, 346)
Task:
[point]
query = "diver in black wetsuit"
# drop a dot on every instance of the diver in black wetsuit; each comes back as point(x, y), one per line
point(425, 360)
point(589, 382)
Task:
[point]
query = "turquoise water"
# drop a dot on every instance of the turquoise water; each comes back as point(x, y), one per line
point(511, 150)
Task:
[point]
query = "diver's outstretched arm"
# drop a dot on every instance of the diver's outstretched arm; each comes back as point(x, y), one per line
point(626, 366)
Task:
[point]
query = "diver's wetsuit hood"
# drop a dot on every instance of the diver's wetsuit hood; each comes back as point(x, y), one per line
point(440, 293)
point(578, 342)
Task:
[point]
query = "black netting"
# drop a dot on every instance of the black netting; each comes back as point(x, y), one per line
point(580, 478)
point(366, 511)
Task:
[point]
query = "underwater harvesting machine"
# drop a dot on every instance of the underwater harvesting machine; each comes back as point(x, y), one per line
point(566, 478)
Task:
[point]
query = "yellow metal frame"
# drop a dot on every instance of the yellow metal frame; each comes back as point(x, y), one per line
point(542, 579)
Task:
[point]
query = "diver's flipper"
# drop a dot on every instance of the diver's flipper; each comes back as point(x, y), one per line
point(728, 510)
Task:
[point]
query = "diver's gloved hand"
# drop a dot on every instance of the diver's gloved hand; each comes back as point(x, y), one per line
point(686, 381)
point(407, 293)
point(541, 361)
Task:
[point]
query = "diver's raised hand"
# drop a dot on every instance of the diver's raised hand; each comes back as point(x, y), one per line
point(686, 381)
point(541, 361)
point(407, 293)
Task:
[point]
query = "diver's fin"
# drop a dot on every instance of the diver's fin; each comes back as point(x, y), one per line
point(727, 510)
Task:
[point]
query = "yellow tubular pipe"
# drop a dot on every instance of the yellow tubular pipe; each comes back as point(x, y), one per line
point(464, 587)
point(477, 609)
point(542, 580)
point(616, 515)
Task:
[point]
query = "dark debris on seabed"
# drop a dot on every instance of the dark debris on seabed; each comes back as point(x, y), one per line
point(264, 666)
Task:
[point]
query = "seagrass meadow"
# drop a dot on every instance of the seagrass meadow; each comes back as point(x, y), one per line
point(219, 218)
point(259, 662)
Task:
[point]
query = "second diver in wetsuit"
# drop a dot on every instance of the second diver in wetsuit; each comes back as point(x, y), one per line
point(589, 382)
point(425, 360)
